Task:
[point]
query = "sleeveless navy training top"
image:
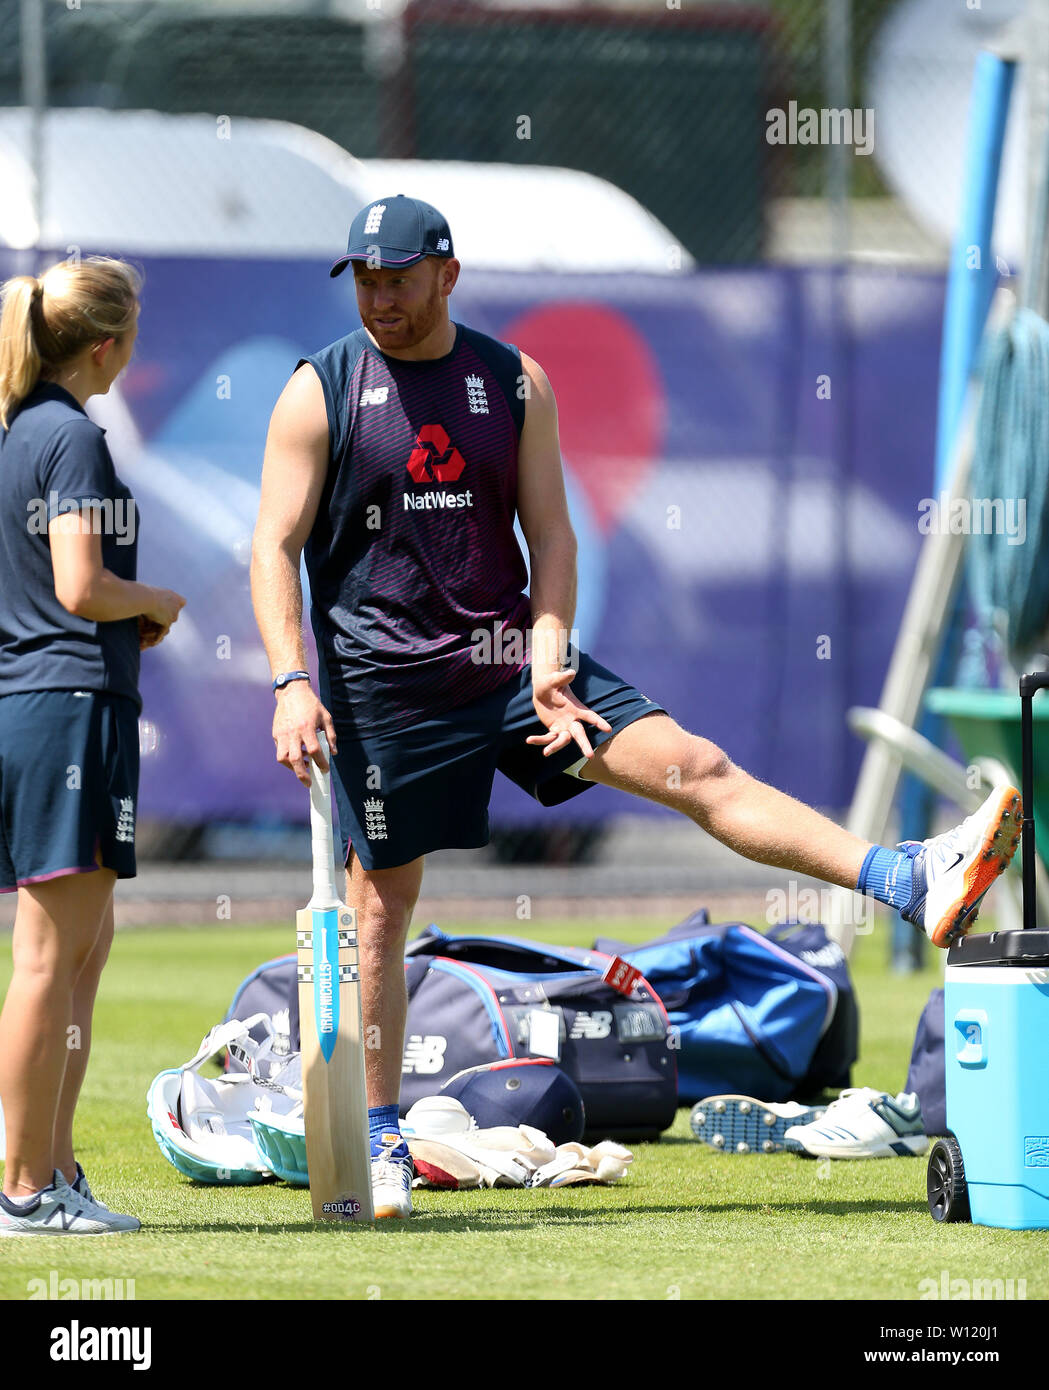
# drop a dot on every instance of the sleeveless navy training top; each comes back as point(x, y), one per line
point(413, 552)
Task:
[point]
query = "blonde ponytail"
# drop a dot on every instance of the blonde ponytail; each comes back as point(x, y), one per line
point(19, 359)
point(47, 321)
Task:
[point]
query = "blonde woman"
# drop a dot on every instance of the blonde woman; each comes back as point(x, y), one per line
point(73, 619)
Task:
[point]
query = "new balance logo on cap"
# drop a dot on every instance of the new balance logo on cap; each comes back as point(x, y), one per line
point(374, 395)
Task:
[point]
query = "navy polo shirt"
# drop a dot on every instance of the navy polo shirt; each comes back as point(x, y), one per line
point(54, 459)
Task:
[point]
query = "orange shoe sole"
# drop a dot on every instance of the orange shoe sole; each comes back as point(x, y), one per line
point(999, 845)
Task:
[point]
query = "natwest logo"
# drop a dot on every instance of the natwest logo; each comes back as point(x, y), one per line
point(435, 459)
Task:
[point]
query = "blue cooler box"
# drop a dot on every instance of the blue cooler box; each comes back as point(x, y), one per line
point(996, 1029)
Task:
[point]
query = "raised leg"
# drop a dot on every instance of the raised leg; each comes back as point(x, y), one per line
point(655, 758)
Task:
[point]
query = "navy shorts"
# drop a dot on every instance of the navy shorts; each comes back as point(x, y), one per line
point(68, 785)
point(408, 792)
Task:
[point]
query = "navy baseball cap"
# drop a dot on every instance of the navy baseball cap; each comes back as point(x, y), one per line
point(521, 1091)
point(398, 231)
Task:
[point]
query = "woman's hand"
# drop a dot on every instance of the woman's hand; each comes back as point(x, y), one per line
point(149, 632)
point(163, 607)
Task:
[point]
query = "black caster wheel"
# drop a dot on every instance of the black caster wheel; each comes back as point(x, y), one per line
point(945, 1182)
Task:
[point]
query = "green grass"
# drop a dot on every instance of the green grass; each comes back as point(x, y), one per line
point(688, 1222)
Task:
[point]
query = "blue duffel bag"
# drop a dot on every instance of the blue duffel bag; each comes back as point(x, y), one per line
point(771, 1016)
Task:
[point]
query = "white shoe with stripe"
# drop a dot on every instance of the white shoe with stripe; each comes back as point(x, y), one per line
point(864, 1123)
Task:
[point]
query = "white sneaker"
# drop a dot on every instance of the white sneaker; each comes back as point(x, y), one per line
point(863, 1123)
point(952, 872)
point(392, 1175)
point(60, 1211)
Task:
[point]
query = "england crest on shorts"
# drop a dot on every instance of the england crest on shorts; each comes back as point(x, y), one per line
point(374, 818)
point(126, 820)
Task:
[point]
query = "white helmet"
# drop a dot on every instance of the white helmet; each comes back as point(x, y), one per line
point(203, 1125)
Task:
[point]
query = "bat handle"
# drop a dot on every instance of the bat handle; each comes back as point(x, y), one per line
point(324, 890)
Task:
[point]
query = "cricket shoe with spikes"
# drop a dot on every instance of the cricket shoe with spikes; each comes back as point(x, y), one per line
point(743, 1125)
point(392, 1175)
point(952, 872)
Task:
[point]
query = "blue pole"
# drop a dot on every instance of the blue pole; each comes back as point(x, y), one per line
point(971, 279)
point(972, 274)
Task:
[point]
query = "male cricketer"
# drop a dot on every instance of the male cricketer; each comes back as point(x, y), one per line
point(397, 459)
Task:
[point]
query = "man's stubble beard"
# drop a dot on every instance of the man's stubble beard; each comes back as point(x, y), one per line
point(417, 327)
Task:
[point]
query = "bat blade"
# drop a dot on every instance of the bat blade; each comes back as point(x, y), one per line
point(335, 1102)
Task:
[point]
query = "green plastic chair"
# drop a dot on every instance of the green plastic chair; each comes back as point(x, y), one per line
point(987, 725)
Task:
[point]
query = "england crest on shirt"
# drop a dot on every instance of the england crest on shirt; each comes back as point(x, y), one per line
point(475, 395)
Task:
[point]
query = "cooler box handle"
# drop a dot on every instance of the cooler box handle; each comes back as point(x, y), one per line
point(971, 1037)
point(1034, 680)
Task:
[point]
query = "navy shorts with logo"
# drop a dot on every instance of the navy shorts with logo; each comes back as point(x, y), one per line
point(69, 764)
point(408, 792)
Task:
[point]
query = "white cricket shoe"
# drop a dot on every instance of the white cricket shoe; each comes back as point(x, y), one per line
point(392, 1176)
point(863, 1123)
point(744, 1125)
point(60, 1211)
point(952, 872)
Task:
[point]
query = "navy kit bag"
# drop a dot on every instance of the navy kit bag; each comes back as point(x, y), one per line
point(474, 999)
point(771, 1016)
point(477, 999)
point(927, 1074)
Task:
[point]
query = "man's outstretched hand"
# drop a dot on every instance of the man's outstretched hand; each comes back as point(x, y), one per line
point(562, 714)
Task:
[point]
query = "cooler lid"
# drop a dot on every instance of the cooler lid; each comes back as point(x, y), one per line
point(1029, 947)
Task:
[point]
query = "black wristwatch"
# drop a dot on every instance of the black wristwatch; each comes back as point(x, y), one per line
point(286, 678)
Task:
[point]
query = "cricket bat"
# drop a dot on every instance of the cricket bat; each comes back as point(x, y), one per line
point(335, 1103)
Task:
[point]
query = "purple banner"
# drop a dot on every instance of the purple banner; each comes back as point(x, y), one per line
point(745, 452)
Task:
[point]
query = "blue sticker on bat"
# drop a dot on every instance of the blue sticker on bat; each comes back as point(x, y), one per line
point(326, 980)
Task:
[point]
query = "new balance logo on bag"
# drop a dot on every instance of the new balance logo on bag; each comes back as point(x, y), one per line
point(424, 1055)
point(592, 1026)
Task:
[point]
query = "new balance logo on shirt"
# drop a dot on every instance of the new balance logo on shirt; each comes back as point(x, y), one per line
point(374, 395)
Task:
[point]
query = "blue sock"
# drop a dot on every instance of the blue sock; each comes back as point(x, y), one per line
point(886, 876)
point(382, 1119)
